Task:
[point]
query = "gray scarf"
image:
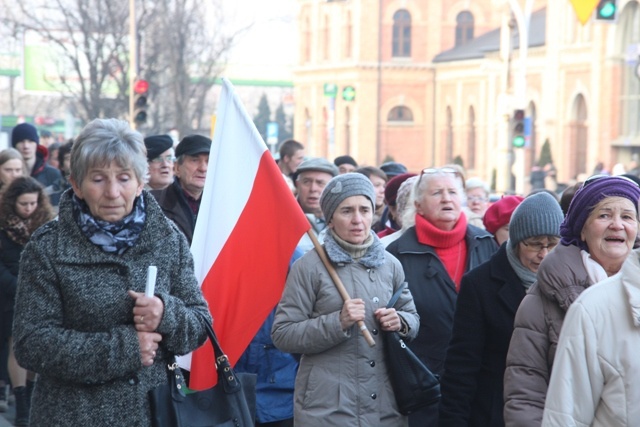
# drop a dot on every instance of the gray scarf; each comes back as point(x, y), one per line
point(527, 276)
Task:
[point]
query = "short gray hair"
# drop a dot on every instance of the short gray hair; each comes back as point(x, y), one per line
point(103, 141)
point(477, 183)
point(421, 185)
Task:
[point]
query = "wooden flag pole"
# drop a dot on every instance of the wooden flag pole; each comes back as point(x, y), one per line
point(339, 285)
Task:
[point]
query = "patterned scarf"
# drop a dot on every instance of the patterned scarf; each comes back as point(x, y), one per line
point(110, 236)
point(18, 229)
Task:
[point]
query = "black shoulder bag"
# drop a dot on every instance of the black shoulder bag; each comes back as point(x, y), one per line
point(414, 385)
point(231, 402)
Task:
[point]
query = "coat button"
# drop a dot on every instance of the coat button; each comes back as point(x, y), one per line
point(376, 300)
point(374, 331)
point(133, 380)
point(372, 363)
point(374, 396)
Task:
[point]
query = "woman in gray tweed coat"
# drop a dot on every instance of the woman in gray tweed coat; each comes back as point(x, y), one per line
point(82, 321)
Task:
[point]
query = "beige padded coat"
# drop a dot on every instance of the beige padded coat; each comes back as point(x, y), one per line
point(561, 278)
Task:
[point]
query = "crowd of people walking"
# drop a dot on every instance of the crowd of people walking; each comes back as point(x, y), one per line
point(525, 307)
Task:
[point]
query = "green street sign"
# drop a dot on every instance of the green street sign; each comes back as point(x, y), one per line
point(349, 93)
point(330, 89)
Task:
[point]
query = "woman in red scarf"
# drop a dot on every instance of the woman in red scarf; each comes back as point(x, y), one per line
point(435, 253)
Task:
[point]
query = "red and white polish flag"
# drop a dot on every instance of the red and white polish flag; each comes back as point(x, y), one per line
point(247, 229)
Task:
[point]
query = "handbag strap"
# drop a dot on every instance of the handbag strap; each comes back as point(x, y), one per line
point(226, 374)
point(396, 295)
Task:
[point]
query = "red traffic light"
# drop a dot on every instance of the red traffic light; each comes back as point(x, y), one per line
point(140, 86)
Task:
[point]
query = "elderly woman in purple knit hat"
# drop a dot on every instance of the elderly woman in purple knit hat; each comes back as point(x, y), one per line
point(597, 235)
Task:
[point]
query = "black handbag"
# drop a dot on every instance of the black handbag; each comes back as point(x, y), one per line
point(231, 402)
point(414, 385)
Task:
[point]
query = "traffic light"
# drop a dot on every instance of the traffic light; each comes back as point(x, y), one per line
point(606, 10)
point(140, 89)
point(517, 129)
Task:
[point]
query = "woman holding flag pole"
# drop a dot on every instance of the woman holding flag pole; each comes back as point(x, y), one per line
point(343, 380)
point(82, 320)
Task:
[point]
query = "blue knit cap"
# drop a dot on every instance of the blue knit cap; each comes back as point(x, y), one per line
point(587, 197)
point(24, 131)
point(537, 215)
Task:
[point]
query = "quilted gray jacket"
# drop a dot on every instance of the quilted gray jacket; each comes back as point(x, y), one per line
point(341, 380)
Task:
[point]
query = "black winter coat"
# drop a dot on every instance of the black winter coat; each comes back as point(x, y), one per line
point(472, 385)
point(175, 207)
point(434, 294)
point(9, 264)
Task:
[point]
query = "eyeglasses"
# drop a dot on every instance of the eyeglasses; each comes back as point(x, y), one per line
point(538, 247)
point(431, 171)
point(476, 199)
point(598, 177)
point(160, 159)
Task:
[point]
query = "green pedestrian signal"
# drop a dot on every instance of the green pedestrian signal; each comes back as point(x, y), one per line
point(606, 10)
point(517, 129)
point(349, 93)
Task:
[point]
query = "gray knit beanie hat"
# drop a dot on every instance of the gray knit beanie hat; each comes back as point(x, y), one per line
point(343, 186)
point(537, 215)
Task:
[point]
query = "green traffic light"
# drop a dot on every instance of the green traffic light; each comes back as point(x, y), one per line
point(518, 141)
point(608, 10)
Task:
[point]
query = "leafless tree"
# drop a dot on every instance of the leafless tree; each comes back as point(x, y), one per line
point(182, 49)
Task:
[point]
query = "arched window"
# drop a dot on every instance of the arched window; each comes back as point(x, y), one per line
point(400, 114)
point(306, 41)
point(464, 28)
point(401, 34)
point(449, 136)
point(579, 135)
point(348, 39)
point(347, 130)
point(326, 39)
point(471, 140)
point(629, 27)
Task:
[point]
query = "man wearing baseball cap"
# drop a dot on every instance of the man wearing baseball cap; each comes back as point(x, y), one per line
point(180, 201)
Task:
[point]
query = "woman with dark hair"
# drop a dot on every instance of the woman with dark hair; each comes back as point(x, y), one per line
point(23, 208)
point(82, 320)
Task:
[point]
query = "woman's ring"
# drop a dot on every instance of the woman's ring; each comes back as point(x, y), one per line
point(141, 319)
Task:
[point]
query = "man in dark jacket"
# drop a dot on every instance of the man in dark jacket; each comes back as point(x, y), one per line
point(25, 139)
point(180, 201)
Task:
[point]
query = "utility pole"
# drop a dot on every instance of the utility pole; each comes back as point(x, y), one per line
point(523, 20)
point(133, 55)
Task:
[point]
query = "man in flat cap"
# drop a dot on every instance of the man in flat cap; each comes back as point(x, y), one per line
point(180, 201)
point(161, 158)
point(310, 178)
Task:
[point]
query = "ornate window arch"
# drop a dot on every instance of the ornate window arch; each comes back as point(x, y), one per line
point(401, 45)
point(464, 28)
point(400, 114)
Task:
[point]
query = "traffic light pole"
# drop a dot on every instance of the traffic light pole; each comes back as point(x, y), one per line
point(133, 55)
point(523, 19)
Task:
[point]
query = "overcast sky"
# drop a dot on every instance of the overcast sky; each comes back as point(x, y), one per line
point(270, 46)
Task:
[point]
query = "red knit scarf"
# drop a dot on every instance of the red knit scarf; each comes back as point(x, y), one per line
point(450, 246)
